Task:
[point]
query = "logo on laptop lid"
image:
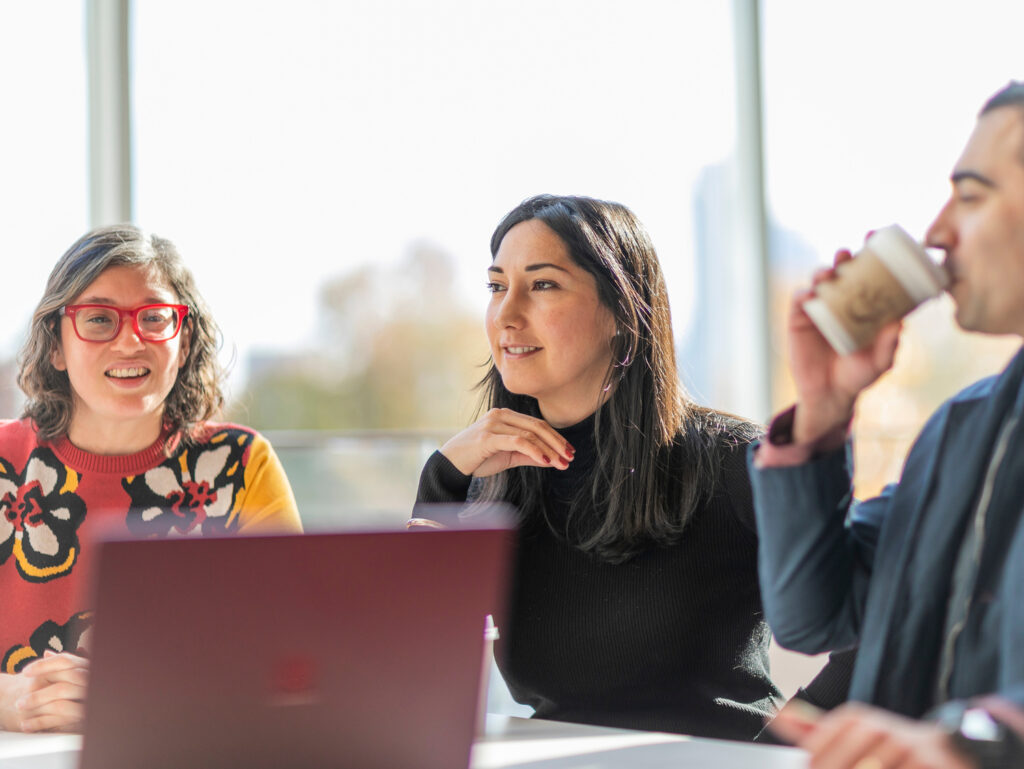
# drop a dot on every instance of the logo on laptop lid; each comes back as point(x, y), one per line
point(293, 681)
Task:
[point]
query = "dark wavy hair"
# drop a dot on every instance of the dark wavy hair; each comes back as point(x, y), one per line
point(658, 453)
point(197, 392)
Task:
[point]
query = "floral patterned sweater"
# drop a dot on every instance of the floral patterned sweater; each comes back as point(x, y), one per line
point(57, 500)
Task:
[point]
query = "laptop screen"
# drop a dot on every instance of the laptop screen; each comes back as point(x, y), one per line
point(347, 649)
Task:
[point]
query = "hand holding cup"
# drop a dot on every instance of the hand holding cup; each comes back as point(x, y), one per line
point(844, 331)
point(890, 276)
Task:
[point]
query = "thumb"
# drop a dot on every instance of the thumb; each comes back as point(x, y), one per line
point(886, 343)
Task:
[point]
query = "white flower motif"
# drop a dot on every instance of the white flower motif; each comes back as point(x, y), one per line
point(180, 496)
point(162, 480)
point(43, 540)
point(38, 470)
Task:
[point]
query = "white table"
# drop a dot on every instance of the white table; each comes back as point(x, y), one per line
point(508, 742)
point(523, 742)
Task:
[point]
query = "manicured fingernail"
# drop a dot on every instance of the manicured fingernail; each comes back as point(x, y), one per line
point(547, 459)
point(569, 449)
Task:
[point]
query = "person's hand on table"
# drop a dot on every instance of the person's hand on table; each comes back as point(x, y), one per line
point(502, 439)
point(855, 736)
point(47, 695)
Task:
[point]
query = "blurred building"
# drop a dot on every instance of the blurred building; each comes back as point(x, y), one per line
point(890, 413)
point(705, 357)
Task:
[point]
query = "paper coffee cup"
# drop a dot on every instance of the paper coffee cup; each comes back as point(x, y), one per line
point(887, 279)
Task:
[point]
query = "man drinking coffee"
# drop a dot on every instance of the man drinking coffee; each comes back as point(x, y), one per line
point(927, 578)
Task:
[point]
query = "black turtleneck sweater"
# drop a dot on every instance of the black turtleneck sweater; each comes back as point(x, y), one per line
point(671, 640)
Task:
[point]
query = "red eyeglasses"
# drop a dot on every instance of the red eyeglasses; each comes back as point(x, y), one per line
point(101, 322)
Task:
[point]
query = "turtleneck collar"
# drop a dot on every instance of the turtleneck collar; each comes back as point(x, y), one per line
point(563, 484)
point(579, 432)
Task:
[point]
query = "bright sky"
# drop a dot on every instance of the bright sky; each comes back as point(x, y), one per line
point(282, 144)
point(868, 105)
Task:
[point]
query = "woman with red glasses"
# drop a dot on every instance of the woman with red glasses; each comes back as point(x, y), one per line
point(121, 377)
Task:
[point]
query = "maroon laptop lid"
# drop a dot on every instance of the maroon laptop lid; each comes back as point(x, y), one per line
point(321, 650)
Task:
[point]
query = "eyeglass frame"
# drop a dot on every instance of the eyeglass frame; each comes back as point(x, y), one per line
point(69, 311)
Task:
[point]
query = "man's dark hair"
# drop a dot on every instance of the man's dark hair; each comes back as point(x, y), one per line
point(1010, 96)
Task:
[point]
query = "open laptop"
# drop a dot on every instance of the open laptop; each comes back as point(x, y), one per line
point(324, 650)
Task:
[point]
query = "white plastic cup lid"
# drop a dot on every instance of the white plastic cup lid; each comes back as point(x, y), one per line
point(909, 263)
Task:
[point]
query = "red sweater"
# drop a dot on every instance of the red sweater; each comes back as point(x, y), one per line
point(57, 500)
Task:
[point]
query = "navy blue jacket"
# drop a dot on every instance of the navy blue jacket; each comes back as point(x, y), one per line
point(837, 573)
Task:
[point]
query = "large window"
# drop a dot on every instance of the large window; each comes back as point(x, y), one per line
point(867, 107)
point(333, 170)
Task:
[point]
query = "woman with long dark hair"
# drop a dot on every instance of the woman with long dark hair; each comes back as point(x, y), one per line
point(635, 599)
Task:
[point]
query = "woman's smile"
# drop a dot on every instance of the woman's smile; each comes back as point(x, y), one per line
point(123, 374)
point(519, 351)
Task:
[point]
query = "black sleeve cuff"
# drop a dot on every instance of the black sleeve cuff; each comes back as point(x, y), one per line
point(831, 686)
point(441, 482)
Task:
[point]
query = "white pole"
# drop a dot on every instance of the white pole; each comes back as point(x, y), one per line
point(750, 273)
point(109, 94)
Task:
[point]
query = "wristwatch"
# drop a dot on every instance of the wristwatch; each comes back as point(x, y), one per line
point(976, 734)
